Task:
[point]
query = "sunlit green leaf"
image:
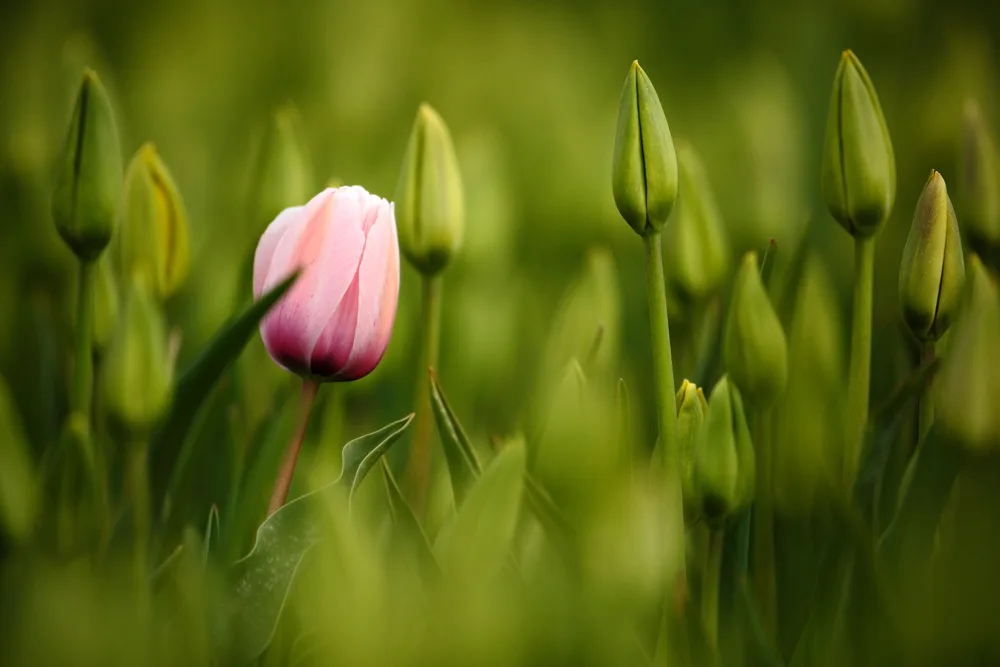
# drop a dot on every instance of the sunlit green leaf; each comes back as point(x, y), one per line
point(262, 580)
point(477, 543)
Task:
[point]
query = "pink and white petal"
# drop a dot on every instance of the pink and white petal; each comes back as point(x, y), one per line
point(268, 243)
point(333, 348)
point(378, 294)
point(328, 250)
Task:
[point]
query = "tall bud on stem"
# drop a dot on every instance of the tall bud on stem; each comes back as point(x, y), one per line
point(87, 191)
point(858, 180)
point(644, 185)
point(431, 217)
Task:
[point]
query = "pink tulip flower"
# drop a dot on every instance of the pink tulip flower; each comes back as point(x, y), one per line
point(335, 322)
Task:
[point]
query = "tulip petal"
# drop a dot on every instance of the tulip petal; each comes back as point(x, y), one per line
point(267, 244)
point(327, 246)
point(333, 348)
point(378, 293)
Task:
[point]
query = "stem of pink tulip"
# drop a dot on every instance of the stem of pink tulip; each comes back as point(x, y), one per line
point(284, 481)
point(419, 464)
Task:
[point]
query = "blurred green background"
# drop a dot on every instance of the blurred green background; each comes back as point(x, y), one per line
point(530, 91)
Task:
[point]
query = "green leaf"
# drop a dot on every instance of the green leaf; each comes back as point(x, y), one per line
point(463, 464)
point(624, 417)
point(18, 488)
point(263, 579)
point(477, 543)
point(362, 453)
point(211, 534)
point(196, 383)
point(911, 533)
point(406, 520)
point(166, 567)
point(883, 434)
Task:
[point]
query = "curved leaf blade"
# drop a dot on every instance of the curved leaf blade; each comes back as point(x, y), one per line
point(196, 383)
point(406, 520)
point(262, 580)
point(463, 464)
point(362, 453)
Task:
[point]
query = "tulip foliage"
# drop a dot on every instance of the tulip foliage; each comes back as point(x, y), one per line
point(747, 494)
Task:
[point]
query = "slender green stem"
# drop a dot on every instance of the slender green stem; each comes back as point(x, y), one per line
point(671, 629)
point(419, 463)
point(710, 588)
point(763, 523)
point(925, 415)
point(81, 399)
point(861, 356)
point(284, 480)
point(137, 470)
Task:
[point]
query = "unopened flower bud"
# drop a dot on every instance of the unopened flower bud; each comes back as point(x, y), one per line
point(755, 349)
point(153, 236)
point(89, 178)
point(644, 168)
point(105, 304)
point(858, 176)
point(724, 458)
point(137, 370)
point(969, 383)
point(430, 205)
point(691, 408)
point(697, 254)
point(282, 176)
point(932, 273)
point(979, 186)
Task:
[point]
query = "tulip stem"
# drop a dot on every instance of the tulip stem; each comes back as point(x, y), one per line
point(284, 481)
point(763, 523)
point(418, 466)
point(861, 356)
point(81, 401)
point(138, 484)
point(710, 587)
point(925, 416)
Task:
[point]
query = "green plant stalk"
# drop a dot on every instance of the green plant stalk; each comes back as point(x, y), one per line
point(419, 462)
point(710, 588)
point(861, 356)
point(137, 471)
point(925, 415)
point(763, 524)
point(284, 480)
point(81, 400)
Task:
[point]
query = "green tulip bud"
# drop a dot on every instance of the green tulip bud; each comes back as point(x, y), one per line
point(979, 187)
point(969, 382)
point(105, 304)
point(724, 460)
point(691, 409)
point(153, 238)
point(858, 176)
point(697, 255)
point(89, 181)
point(755, 349)
point(644, 168)
point(806, 454)
point(137, 370)
point(933, 271)
point(430, 205)
point(282, 175)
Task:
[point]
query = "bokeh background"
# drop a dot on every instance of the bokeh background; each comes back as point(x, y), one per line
point(530, 91)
